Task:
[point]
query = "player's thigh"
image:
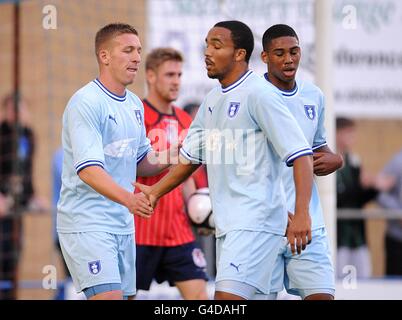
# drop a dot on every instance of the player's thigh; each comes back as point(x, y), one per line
point(91, 257)
point(184, 262)
point(247, 257)
point(278, 272)
point(312, 271)
point(148, 261)
point(126, 258)
point(195, 289)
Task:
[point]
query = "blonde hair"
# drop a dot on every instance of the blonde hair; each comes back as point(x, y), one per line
point(159, 55)
point(110, 31)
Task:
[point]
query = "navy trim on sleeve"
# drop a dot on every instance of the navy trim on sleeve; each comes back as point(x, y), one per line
point(298, 154)
point(188, 156)
point(139, 159)
point(89, 162)
point(89, 165)
point(319, 146)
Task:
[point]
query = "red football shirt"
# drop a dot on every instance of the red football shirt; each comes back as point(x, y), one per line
point(169, 224)
point(200, 177)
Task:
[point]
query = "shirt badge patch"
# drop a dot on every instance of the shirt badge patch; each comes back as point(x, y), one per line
point(233, 109)
point(138, 116)
point(310, 111)
point(94, 267)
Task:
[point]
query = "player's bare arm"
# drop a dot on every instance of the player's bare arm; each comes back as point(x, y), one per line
point(103, 183)
point(157, 161)
point(299, 229)
point(176, 176)
point(326, 161)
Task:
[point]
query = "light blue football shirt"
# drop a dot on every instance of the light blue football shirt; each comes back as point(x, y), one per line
point(105, 130)
point(244, 133)
point(306, 103)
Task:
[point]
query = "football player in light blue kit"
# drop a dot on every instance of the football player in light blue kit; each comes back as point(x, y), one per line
point(244, 133)
point(310, 274)
point(105, 147)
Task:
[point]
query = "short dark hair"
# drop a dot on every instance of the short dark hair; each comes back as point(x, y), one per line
point(242, 36)
point(159, 55)
point(342, 123)
point(110, 31)
point(277, 31)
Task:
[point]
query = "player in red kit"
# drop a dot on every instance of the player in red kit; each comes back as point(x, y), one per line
point(166, 247)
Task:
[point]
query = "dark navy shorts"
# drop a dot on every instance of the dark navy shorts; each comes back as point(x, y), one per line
point(172, 264)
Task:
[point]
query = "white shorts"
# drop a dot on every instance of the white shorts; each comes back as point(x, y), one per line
point(246, 257)
point(307, 273)
point(95, 258)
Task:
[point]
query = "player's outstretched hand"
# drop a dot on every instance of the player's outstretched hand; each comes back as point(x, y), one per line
point(140, 205)
point(299, 232)
point(147, 190)
point(326, 163)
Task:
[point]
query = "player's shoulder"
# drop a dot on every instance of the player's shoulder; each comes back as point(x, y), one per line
point(256, 83)
point(86, 95)
point(88, 91)
point(309, 88)
point(182, 115)
point(133, 98)
point(215, 91)
point(264, 90)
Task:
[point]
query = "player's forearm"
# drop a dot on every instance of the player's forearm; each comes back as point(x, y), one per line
point(154, 163)
point(176, 176)
point(101, 182)
point(151, 165)
point(303, 179)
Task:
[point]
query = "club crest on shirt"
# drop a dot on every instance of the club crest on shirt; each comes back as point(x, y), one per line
point(233, 109)
point(198, 258)
point(310, 111)
point(94, 267)
point(138, 116)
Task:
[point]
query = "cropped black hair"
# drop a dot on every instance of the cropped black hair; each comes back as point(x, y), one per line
point(242, 35)
point(277, 31)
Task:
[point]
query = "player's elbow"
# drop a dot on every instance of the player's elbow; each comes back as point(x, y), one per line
point(87, 173)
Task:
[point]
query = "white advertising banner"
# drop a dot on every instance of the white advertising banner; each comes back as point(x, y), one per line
point(367, 45)
point(368, 58)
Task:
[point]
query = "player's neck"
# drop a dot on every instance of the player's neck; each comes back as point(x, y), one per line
point(282, 85)
point(112, 85)
point(235, 74)
point(160, 104)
